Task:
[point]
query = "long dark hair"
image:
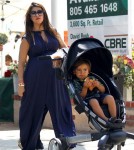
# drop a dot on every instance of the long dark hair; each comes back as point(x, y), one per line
point(29, 23)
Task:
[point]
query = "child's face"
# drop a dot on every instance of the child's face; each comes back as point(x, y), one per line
point(7, 63)
point(82, 71)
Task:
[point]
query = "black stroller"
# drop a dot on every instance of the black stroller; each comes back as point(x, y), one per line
point(109, 134)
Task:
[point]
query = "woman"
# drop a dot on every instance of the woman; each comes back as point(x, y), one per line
point(41, 91)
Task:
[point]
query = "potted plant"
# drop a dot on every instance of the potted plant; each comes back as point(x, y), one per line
point(123, 70)
point(3, 40)
point(13, 68)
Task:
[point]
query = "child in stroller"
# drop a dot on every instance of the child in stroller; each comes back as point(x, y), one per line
point(93, 91)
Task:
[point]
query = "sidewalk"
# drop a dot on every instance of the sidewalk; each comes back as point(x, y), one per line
point(9, 135)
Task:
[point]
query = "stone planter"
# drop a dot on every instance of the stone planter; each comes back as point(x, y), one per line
point(127, 93)
point(119, 79)
point(15, 83)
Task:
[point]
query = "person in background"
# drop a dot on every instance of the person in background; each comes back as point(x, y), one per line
point(8, 60)
point(38, 86)
point(1, 47)
point(93, 91)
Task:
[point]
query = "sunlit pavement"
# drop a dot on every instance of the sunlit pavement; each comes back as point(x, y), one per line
point(9, 139)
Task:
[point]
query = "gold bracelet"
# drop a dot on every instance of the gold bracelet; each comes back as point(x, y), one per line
point(21, 84)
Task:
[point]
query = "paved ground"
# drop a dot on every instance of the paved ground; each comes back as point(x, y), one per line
point(9, 135)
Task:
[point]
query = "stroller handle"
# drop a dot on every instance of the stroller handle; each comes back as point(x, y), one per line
point(56, 62)
point(44, 58)
point(48, 57)
point(58, 55)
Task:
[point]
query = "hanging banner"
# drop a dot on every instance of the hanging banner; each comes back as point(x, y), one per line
point(106, 20)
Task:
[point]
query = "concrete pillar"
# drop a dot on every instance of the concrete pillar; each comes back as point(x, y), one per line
point(54, 13)
point(59, 15)
point(127, 93)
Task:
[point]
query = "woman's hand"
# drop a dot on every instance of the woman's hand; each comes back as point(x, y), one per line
point(56, 63)
point(20, 90)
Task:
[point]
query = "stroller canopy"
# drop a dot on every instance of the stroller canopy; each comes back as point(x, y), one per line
point(93, 50)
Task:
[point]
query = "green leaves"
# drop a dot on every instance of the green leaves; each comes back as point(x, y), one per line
point(125, 66)
point(3, 38)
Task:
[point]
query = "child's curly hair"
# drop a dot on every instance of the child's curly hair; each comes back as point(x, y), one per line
point(80, 62)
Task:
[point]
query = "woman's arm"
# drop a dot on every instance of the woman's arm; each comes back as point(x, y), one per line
point(24, 47)
point(61, 42)
point(57, 63)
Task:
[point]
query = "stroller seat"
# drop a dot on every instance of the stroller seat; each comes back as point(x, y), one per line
point(95, 121)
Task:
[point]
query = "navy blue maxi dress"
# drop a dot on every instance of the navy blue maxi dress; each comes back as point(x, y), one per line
point(43, 93)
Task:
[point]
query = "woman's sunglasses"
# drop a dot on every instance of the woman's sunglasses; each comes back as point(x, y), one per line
point(34, 13)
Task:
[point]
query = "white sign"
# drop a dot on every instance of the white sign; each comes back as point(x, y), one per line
point(106, 21)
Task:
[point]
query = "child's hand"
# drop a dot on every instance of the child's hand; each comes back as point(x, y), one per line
point(89, 84)
point(96, 83)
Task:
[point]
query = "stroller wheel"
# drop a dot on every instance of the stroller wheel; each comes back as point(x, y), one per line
point(55, 144)
point(119, 147)
point(106, 148)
